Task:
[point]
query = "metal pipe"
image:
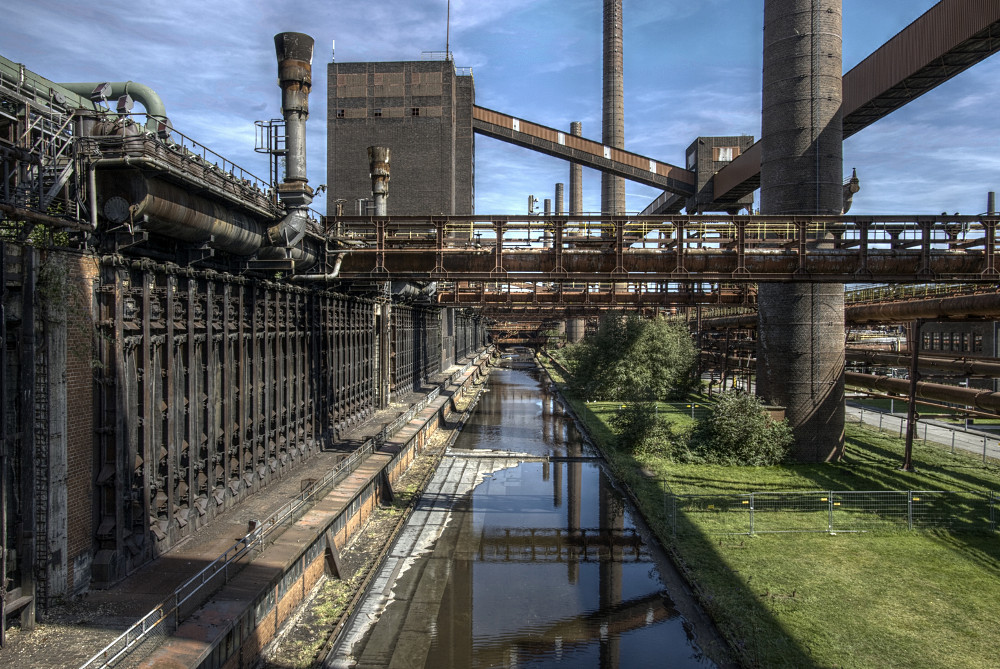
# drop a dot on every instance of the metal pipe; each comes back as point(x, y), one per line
point(985, 305)
point(982, 399)
point(156, 112)
point(294, 52)
point(28, 215)
point(92, 194)
point(333, 275)
point(167, 209)
point(963, 366)
point(378, 163)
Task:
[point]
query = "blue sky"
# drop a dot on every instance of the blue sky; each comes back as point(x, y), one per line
point(691, 68)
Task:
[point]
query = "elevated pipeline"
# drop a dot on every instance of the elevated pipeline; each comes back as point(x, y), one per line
point(980, 399)
point(156, 111)
point(986, 305)
point(989, 367)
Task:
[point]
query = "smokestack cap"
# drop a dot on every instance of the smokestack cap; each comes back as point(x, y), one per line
point(294, 46)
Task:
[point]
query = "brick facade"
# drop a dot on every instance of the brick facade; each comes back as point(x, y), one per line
point(421, 111)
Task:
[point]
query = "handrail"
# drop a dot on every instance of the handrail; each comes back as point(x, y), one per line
point(170, 606)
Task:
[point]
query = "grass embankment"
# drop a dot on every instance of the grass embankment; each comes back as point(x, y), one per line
point(881, 599)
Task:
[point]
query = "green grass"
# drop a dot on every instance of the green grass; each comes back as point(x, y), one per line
point(910, 599)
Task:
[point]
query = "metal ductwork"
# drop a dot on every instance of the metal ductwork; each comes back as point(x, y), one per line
point(129, 197)
point(294, 52)
point(98, 91)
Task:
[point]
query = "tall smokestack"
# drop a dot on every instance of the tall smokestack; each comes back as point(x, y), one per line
point(613, 130)
point(294, 52)
point(800, 361)
point(378, 163)
point(559, 199)
point(576, 176)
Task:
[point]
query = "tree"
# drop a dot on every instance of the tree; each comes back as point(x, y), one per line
point(739, 432)
point(631, 358)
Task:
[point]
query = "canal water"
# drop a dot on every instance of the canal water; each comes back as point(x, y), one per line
point(522, 553)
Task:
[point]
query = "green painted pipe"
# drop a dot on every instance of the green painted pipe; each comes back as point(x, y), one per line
point(144, 95)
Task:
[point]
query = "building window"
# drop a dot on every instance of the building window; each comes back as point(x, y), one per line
point(414, 111)
point(340, 113)
point(377, 112)
point(936, 341)
point(945, 341)
point(927, 341)
point(725, 154)
point(977, 344)
point(965, 342)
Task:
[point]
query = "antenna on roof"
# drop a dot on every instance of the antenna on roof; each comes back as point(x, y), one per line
point(447, 34)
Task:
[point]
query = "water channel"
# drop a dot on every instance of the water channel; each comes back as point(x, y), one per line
point(522, 553)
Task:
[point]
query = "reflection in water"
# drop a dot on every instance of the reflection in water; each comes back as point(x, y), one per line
point(527, 589)
point(535, 564)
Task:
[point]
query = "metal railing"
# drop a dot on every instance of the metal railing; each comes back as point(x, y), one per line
point(181, 602)
point(831, 511)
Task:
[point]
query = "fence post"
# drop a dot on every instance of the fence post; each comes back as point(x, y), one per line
point(900, 428)
point(829, 513)
point(751, 514)
point(953, 442)
point(984, 449)
point(880, 417)
point(909, 509)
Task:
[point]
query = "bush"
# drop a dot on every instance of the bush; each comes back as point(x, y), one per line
point(640, 429)
point(739, 432)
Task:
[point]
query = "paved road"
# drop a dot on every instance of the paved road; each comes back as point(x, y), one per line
point(953, 437)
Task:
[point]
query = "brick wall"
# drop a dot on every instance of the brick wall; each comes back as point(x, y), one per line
point(82, 270)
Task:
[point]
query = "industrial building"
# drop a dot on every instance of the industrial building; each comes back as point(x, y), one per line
point(422, 112)
point(181, 337)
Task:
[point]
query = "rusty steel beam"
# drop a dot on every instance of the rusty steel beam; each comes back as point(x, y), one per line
point(580, 151)
point(947, 39)
point(606, 298)
point(983, 305)
point(644, 249)
point(986, 305)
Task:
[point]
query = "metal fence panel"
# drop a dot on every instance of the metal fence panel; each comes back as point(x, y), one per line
point(831, 511)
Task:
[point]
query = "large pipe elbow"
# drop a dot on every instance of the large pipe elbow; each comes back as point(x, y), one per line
point(290, 230)
point(156, 111)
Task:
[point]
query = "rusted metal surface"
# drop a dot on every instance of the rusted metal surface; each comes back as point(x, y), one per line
point(958, 365)
point(985, 305)
point(582, 151)
point(950, 37)
point(980, 399)
point(786, 248)
point(211, 387)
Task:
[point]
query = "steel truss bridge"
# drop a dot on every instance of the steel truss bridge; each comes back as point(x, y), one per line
point(511, 252)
